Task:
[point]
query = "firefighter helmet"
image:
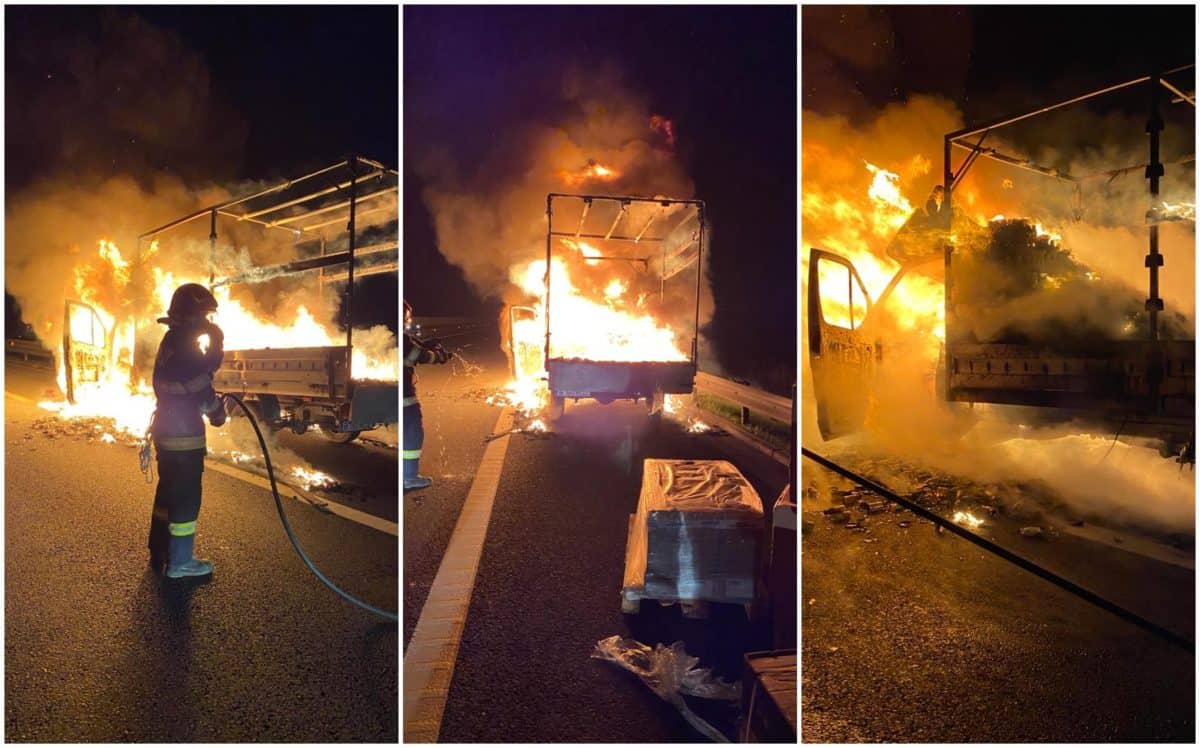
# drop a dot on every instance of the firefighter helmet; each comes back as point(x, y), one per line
point(190, 300)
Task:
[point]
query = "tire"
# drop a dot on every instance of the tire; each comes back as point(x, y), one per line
point(339, 437)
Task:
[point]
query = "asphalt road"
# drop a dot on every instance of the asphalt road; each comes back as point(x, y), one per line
point(456, 422)
point(915, 636)
point(99, 649)
point(548, 586)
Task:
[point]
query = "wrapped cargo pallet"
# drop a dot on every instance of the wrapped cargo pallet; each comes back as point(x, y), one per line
point(695, 537)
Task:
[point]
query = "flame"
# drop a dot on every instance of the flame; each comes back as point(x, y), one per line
point(891, 207)
point(583, 328)
point(967, 519)
point(600, 325)
point(860, 225)
point(857, 219)
point(592, 172)
point(311, 479)
point(102, 281)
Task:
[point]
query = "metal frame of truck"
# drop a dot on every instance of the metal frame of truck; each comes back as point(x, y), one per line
point(299, 387)
point(606, 381)
point(1146, 386)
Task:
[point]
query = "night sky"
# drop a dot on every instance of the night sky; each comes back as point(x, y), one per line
point(725, 76)
point(989, 60)
point(211, 94)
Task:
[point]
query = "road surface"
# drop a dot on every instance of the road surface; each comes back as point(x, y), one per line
point(99, 649)
point(914, 636)
point(549, 577)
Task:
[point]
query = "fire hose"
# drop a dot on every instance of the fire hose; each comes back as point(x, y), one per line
point(287, 527)
point(1004, 553)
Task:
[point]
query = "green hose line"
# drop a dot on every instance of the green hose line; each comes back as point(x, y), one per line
point(288, 527)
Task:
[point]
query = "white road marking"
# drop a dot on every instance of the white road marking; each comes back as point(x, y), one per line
point(21, 398)
point(354, 515)
point(433, 650)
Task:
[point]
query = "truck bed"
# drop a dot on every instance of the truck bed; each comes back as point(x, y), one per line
point(318, 372)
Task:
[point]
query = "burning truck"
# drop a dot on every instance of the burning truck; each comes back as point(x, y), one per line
point(616, 310)
point(1010, 315)
point(337, 224)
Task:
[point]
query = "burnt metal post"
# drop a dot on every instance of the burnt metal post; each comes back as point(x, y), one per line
point(68, 369)
point(1154, 172)
point(947, 208)
point(321, 276)
point(546, 304)
point(350, 271)
point(212, 248)
point(699, 277)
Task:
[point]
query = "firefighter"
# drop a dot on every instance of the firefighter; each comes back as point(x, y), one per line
point(188, 356)
point(933, 206)
point(415, 352)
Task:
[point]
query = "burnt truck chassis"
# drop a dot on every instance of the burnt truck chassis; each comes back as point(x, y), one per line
point(301, 387)
point(607, 381)
point(1135, 386)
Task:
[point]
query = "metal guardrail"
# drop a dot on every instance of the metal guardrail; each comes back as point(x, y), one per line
point(27, 350)
point(750, 399)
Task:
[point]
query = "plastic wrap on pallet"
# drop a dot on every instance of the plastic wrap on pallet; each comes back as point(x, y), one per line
point(696, 534)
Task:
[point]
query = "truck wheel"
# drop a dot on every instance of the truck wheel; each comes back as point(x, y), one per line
point(339, 437)
point(558, 405)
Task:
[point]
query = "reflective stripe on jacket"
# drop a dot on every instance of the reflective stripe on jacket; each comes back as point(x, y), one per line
point(183, 385)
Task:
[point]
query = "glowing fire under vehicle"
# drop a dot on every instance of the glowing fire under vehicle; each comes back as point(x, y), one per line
point(1129, 367)
point(622, 289)
point(341, 224)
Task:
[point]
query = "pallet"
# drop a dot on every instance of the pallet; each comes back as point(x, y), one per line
point(632, 597)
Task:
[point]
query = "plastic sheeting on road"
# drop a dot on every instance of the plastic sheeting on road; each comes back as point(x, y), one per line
point(670, 672)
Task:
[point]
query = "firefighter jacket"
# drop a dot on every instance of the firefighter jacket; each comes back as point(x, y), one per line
point(183, 384)
point(414, 353)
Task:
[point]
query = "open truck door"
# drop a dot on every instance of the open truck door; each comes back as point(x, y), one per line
point(840, 357)
point(85, 346)
point(528, 360)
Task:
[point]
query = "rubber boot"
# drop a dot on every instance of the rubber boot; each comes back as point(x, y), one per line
point(180, 563)
point(413, 481)
point(417, 483)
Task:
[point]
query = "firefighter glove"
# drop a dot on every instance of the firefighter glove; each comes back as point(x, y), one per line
point(216, 412)
point(216, 336)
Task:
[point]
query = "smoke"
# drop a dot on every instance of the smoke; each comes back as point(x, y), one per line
point(1103, 228)
point(490, 216)
point(54, 227)
point(108, 111)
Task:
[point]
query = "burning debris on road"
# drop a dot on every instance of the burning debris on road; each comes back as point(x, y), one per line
point(225, 446)
point(90, 429)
